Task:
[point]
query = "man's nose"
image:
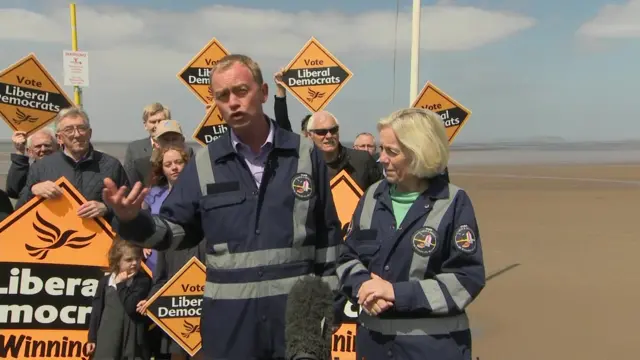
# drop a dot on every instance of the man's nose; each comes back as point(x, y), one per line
point(234, 101)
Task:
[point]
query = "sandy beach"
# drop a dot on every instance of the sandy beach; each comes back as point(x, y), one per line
point(559, 244)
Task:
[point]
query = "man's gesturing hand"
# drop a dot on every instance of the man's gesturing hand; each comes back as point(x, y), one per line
point(126, 207)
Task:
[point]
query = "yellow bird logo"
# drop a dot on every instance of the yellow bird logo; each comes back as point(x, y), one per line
point(190, 329)
point(50, 234)
point(314, 95)
point(22, 117)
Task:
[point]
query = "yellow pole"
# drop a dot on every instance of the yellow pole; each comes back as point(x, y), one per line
point(77, 91)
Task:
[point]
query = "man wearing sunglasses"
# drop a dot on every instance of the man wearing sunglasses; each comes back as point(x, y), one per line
point(323, 128)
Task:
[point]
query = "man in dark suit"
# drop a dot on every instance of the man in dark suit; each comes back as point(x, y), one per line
point(140, 150)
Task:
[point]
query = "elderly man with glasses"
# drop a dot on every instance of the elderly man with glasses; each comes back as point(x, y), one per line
point(323, 128)
point(78, 162)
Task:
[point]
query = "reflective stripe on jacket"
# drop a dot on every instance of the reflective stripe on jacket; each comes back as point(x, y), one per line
point(260, 241)
point(433, 259)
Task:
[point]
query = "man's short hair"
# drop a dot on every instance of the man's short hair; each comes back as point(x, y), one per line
point(153, 109)
point(311, 123)
point(365, 133)
point(45, 130)
point(423, 137)
point(231, 59)
point(73, 111)
point(305, 121)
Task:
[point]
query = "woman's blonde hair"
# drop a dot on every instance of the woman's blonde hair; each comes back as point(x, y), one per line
point(422, 137)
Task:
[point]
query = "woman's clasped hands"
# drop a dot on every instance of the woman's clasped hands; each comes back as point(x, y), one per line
point(376, 295)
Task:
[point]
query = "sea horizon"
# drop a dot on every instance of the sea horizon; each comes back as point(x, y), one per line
point(550, 152)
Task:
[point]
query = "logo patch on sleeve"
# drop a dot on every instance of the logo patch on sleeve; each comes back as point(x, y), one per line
point(465, 239)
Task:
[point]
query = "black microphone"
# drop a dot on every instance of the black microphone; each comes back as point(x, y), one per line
point(309, 320)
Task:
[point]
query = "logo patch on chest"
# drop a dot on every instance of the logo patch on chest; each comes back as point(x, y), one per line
point(425, 241)
point(302, 186)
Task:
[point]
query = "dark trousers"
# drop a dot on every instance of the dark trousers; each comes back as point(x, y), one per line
point(371, 345)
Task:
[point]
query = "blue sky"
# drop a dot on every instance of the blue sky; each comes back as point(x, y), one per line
point(525, 68)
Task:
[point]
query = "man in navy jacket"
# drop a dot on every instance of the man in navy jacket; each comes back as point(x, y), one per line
point(261, 198)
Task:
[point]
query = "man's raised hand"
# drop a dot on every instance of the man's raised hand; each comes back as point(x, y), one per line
point(125, 206)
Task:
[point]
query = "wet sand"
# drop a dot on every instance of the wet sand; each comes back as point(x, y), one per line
point(560, 244)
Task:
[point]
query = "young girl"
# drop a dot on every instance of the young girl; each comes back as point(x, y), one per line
point(167, 166)
point(116, 330)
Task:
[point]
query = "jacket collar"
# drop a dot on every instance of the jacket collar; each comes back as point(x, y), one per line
point(88, 157)
point(282, 139)
point(438, 188)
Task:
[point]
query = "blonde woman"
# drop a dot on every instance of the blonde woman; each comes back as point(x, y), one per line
point(413, 260)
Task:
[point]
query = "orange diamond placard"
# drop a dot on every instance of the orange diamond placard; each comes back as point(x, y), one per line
point(453, 114)
point(343, 342)
point(346, 194)
point(211, 127)
point(49, 231)
point(50, 267)
point(197, 74)
point(177, 306)
point(315, 76)
point(29, 96)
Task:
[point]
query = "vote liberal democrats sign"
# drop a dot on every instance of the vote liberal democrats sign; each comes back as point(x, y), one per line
point(50, 265)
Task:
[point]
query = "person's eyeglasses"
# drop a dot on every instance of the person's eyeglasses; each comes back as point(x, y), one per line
point(70, 130)
point(322, 132)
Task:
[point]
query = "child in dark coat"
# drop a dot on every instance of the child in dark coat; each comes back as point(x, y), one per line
point(116, 330)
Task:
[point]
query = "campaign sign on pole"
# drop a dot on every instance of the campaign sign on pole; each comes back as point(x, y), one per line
point(76, 68)
point(177, 306)
point(315, 76)
point(196, 76)
point(50, 265)
point(29, 96)
point(452, 113)
point(211, 127)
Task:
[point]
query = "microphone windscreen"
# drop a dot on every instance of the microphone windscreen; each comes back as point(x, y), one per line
point(309, 319)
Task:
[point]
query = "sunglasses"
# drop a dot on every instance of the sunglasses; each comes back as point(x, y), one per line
point(322, 132)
